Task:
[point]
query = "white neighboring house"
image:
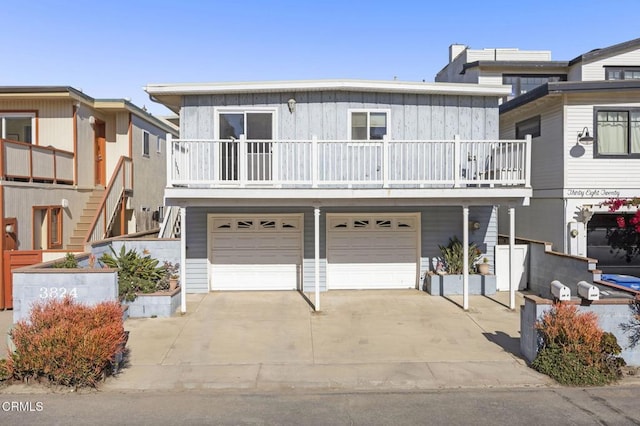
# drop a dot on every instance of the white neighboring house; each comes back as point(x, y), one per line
point(334, 184)
point(596, 94)
point(74, 169)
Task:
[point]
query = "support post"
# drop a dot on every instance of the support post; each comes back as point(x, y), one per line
point(169, 157)
point(183, 260)
point(512, 241)
point(316, 269)
point(465, 257)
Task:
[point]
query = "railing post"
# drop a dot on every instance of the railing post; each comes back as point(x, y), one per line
point(314, 161)
point(242, 161)
point(457, 171)
point(169, 158)
point(385, 161)
point(527, 165)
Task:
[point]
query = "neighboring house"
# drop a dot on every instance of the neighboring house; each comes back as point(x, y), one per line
point(596, 94)
point(75, 169)
point(334, 184)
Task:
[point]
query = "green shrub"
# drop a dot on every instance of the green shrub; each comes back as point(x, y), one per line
point(453, 255)
point(5, 374)
point(575, 351)
point(69, 262)
point(136, 273)
point(633, 326)
point(67, 343)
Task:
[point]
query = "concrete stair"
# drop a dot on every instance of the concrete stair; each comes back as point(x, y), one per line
point(89, 212)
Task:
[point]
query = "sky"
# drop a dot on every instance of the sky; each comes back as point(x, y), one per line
point(113, 49)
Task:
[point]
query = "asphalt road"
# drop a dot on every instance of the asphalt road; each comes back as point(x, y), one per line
point(541, 406)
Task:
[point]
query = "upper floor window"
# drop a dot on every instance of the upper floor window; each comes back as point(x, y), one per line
point(17, 126)
point(368, 125)
point(622, 73)
point(521, 84)
point(530, 126)
point(145, 143)
point(618, 132)
point(254, 125)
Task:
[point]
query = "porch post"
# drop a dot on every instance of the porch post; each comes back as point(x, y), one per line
point(169, 157)
point(316, 268)
point(465, 257)
point(512, 241)
point(183, 260)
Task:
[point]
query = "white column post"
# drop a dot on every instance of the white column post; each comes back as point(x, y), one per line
point(512, 241)
point(183, 260)
point(316, 268)
point(465, 257)
point(527, 164)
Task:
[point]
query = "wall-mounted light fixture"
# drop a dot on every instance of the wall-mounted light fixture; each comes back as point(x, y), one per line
point(92, 120)
point(9, 228)
point(584, 138)
point(291, 103)
point(64, 203)
point(474, 225)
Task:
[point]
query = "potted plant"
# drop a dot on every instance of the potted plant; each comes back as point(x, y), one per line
point(483, 268)
point(171, 276)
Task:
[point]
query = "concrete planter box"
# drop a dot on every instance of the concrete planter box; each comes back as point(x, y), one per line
point(161, 304)
point(445, 285)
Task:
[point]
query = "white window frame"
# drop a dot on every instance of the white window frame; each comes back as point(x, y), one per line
point(240, 110)
point(17, 114)
point(146, 138)
point(350, 112)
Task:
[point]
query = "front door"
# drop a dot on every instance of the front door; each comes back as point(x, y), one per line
point(99, 150)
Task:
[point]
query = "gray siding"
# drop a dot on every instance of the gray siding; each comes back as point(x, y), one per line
point(438, 224)
point(324, 114)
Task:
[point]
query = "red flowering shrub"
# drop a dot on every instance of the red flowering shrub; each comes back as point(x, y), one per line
point(575, 350)
point(626, 238)
point(66, 342)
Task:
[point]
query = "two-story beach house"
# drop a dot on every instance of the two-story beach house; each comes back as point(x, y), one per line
point(335, 184)
point(584, 118)
point(74, 169)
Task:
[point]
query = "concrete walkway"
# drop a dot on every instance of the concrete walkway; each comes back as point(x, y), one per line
point(362, 340)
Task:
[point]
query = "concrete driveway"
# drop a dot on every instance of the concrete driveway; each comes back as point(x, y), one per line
point(361, 340)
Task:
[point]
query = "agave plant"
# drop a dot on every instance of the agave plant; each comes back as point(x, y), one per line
point(136, 273)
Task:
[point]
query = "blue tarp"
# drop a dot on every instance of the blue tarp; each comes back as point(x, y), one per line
point(624, 280)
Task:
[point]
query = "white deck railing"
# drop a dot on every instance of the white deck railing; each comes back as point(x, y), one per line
point(331, 163)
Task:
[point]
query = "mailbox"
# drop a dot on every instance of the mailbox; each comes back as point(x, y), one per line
point(560, 291)
point(588, 291)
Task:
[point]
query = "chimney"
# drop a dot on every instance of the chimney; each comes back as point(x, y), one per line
point(455, 50)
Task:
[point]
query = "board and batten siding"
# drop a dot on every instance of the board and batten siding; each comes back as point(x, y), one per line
point(325, 114)
point(585, 171)
point(438, 224)
point(595, 70)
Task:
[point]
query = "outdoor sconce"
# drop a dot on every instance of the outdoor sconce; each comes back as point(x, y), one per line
point(291, 103)
point(584, 138)
point(474, 225)
point(92, 120)
point(9, 228)
point(64, 203)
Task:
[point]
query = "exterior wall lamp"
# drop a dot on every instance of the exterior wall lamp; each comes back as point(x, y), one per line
point(584, 138)
point(291, 103)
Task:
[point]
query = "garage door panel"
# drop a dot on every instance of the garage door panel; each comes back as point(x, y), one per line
point(245, 255)
point(361, 255)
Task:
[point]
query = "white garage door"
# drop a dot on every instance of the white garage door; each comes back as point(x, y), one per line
point(372, 252)
point(255, 252)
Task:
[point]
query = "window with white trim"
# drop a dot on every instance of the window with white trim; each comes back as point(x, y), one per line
point(368, 125)
point(18, 126)
point(145, 143)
